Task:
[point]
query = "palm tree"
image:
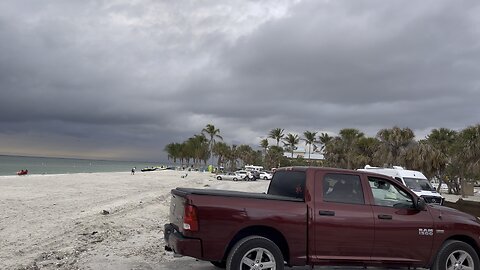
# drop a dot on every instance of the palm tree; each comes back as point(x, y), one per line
point(197, 147)
point(264, 145)
point(246, 154)
point(426, 158)
point(184, 155)
point(221, 150)
point(469, 154)
point(393, 144)
point(310, 139)
point(334, 153)
point(324, 139)
point(470, 137)
point(173, 151)
point(291, 142)
point(274, 157)
point(443, 140)
point(366, 149)
point(232, 157)
point(212, 133)
point(349, 138)
point(276, 134)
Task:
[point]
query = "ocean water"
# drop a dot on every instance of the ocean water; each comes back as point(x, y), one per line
point(9, 165)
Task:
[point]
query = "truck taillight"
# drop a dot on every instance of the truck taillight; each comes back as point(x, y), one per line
point(190, 218)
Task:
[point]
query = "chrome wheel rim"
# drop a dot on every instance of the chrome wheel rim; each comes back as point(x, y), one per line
point(459, 260)
point(258, 259)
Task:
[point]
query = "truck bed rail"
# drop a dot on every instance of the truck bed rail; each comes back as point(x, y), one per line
point(252, 195)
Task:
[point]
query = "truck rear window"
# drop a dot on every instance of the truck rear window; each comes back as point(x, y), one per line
point(288, 183)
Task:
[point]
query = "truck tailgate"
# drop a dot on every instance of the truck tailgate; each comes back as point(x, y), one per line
point(177, 209)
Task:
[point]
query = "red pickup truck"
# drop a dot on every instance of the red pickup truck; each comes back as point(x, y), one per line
point(321, 216)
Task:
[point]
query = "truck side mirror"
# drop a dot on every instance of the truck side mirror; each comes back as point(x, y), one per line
point(420, 204)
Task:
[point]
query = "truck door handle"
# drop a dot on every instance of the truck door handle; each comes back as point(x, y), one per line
point(326, 213)
point(384, 216)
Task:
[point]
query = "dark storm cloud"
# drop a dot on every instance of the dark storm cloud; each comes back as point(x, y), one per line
point(362, 64)
point(122, 79)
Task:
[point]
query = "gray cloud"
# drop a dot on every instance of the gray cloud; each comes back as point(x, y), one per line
point(122, 79)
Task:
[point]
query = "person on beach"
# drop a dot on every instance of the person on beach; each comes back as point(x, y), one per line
point(133, 170)
point(22, 172)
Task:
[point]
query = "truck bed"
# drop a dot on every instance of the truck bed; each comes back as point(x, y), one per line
point(229, 193)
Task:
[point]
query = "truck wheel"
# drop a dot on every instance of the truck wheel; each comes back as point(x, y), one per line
point(219, 178)
point(222, 265)
point(255, 252)
point(456, 255)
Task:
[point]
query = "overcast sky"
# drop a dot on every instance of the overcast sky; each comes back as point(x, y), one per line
point(121, 79)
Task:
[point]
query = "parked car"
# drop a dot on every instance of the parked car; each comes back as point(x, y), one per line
point(321, 216)
point(229, 176)
point(242, 173)
point(443, 187)
point(266, 175)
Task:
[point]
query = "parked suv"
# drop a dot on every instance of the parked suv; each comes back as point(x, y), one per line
point(242, 173)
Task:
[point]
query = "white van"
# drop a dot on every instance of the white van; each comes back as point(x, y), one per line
point(414, 180)
point(253, 168)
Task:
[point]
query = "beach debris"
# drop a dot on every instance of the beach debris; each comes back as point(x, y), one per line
point(33, 266)
point(206, 185)
point(97, 240)
point(88, 233)
point(105, 212)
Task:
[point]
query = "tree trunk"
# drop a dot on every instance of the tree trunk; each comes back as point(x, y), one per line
point(462, 187)
point(309, 146)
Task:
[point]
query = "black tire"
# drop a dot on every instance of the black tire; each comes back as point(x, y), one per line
point(219, 178)
point(221, 265)
point(451, 251)
point(234, 179)
point(265, 178)
point(246, 250)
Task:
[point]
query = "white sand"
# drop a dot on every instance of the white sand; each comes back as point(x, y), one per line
point(56, 221)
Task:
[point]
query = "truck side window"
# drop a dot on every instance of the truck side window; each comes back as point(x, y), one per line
point(288, 183)
point(387, 194)
point(342, 188)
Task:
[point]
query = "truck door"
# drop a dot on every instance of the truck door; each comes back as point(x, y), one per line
point(343, 223)
point(402, 233)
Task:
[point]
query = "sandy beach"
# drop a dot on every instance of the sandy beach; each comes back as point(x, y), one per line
point(57, 221)
point(101, 221)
